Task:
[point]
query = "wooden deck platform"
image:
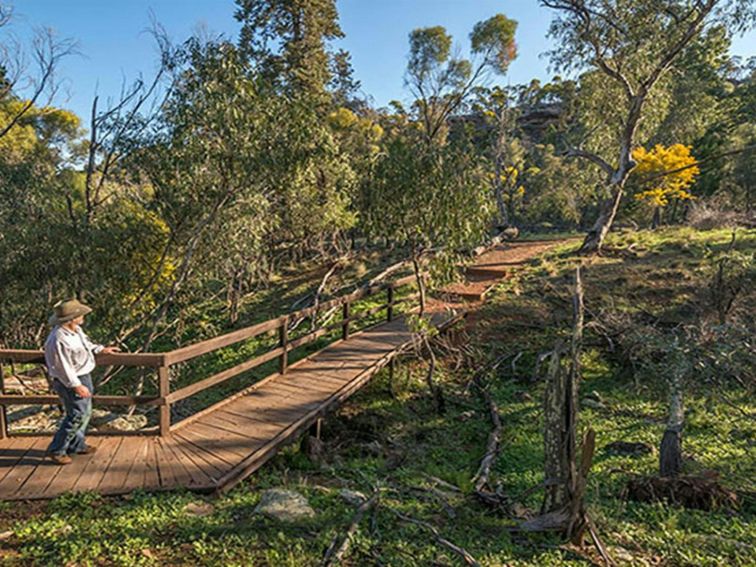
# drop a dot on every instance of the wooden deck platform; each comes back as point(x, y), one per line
point(217, 449)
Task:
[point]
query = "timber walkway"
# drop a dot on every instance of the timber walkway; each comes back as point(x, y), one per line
point(217, 447)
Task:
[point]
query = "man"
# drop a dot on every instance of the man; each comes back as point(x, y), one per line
point(69, 356)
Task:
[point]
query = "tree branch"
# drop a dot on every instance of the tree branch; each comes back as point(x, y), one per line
point(590, 156)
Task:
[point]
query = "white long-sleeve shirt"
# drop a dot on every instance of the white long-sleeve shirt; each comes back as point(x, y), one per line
point(70, 354)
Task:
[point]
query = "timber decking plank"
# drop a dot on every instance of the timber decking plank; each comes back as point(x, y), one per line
point(67, 475)
point(185, 470)
point(97, 466)
point(226, 440)
point(143, 472)
point(151, 474)
point(45, 473)
point(205, 448)
point(301, 389)
point(168, 466)
point(135, 476)
point(257, 459)
point(118, 470)
point(260, 426)
point(231, 425)
point(12, 451)
point(198, 458)
point(24, 468)
point(296, 395)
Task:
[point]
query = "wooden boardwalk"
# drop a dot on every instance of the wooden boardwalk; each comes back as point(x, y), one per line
point(217, 449)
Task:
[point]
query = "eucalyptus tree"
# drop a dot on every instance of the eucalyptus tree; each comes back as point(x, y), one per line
point(429, 198)
point(429, 192)
point(632, 45)
point(28, 69)
point(440, 80)
point(288, 41)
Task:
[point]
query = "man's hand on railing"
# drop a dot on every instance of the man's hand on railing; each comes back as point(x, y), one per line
point(110, 350)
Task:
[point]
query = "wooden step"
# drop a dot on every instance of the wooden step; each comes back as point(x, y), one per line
point(487, 272)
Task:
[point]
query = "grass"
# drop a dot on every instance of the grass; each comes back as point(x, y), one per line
point(400, 444)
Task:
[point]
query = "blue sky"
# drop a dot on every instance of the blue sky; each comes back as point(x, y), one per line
point(115, 47)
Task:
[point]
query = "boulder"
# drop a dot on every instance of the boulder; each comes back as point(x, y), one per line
point(629, 449)
point(124, 423)
point(593, 404)
point(284, 505)
point(352, 497)
point(100, 416)
point(199, 509)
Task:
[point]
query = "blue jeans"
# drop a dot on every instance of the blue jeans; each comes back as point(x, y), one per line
point(70, 435)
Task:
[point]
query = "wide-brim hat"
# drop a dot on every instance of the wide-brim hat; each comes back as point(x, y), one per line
point(68, 310)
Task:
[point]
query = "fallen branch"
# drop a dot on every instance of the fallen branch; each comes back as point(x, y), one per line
point(340, 545)
point(443, 483)
point(480, 480)
point(463, 553)
point(440, 497)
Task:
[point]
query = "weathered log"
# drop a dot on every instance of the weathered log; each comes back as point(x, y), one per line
point(340, 544)
point(493, 445)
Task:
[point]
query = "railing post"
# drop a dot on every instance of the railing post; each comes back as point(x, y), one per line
point(164, 388)
point(3, 415)
point(283, 341)
point(345, 326)
point(390, 303)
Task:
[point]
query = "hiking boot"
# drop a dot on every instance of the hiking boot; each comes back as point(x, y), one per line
point(60, 459)
point(88, 450)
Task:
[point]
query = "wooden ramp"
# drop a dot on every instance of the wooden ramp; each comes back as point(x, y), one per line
point(214, 450)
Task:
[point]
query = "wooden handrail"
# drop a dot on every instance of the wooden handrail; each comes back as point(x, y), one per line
point(149, 359)
point(227, 374)
point(20, 399)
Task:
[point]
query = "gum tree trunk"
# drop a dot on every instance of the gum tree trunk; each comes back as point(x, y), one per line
point(670, 452)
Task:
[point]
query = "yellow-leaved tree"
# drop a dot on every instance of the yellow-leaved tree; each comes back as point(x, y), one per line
point(665, 175)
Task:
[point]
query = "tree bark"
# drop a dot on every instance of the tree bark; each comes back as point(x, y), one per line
point(670, 451)
point(556, 467)
point(419, 279)
point(560, 414)
point(656, 221)
point(594, 240)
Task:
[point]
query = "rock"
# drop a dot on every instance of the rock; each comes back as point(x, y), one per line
point(6, 535)
point(312, 447)
point(465, 415)
point(593, 404)
point(629, 449)
point(510, 233)
point(124, 423)
point(199, 509)
point(594, 395)
point(284, 505)
point(625, 557)
point(100, 416)
point(352, 497)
